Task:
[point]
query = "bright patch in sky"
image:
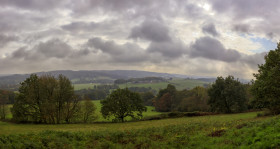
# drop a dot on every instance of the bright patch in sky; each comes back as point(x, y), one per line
point(267, 44)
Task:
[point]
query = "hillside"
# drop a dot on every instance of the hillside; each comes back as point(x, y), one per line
point(89, 76)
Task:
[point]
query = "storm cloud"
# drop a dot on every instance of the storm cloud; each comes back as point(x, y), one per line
point(210, 29)
point(151, 30)
point(211, 48)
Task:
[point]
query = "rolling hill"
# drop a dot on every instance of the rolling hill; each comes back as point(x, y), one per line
point(89, 76)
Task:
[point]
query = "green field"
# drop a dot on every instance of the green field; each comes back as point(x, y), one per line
point(242, 130)
point(84, 86)
point(216, 121)
point(180, 84)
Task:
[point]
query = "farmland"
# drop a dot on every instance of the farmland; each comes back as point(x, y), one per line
point(216, 131)
point(180, 84)
point(84, 86)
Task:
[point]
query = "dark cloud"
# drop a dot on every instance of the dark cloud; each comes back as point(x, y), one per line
point(210, 29)
point(243, 28)
point(53, 48)
point(19, 53)
point(172, 49)
point(80, 26)
point(13, 21)
point(254, 60)
point(256, 16)
point(5, 39)
point(105, 46)
point(270, 35)
point(249, 8)
point(211, 48)
point(151, 30)
point(32, 4)
point(193, 11)
point(123, 53)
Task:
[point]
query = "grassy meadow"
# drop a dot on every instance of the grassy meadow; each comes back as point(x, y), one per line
point(84, 86)
point(243, 130)
point(150, 112)
point(180, 84)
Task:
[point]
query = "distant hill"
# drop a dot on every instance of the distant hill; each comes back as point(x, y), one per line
point(88, 76)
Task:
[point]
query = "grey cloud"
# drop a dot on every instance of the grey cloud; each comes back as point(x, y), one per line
point(211, 48)
point(261, 15)
point(270, 35)
point(210, 29)
point(129, 8)
point(14, 21)
point(173, 49)
point(32, 4)
point(254, 60)
point(122, 53)
point(80, 26)
point(20, 53)
point(193, 11)
point(105, 46)
point(248, 8)
point(5, 39)
point(53, 48)
point(243, 28)
point(152, 30)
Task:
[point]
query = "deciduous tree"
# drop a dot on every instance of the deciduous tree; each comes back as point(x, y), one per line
point(45, 99)
point(266, 87)
point(227, 95)
point(122, 103)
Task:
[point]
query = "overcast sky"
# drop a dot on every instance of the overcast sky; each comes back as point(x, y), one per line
point(192, 37)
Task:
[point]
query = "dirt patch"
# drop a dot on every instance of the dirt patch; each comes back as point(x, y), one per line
point(217, 133)
point(156, 137)
point(241, 126)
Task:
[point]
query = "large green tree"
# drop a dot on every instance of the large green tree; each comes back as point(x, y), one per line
point(45, 99)
point(266, 87)
point(166, 99)
point(227, 95)
point(122, 103)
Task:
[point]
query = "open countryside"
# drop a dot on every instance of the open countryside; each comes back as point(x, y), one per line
point(139, 74)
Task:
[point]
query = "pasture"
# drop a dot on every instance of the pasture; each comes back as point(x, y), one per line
point(84, 86)
point(180, 84)
point(243, 130)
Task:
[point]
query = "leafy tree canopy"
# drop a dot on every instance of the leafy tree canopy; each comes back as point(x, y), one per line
point(266, 87)
point(227, 95)
point(122, 103)
point(45, 99)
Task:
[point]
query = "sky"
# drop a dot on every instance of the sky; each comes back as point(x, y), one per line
point(191, 37)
